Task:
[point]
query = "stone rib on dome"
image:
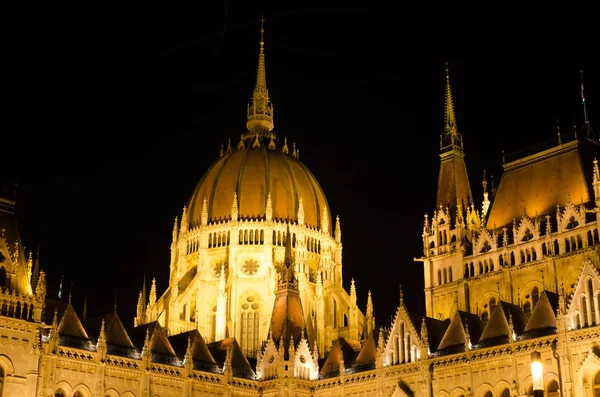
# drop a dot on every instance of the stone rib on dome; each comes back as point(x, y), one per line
point(253, 173)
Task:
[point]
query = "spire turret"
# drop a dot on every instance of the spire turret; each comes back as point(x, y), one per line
point(300, 212)
point(204, 215)
point(454, 189)
point(451, 137)
point(234, 208)
point(338, 230)
point(260, 110)
point(269, 208)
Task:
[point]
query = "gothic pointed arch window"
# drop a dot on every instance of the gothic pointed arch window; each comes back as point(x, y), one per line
point(505, 393)
point(2, 276)
point(250, 317)
point(488, 394)
point(535, 296)
point(590, 287)
point(492, 304)
point(78, 394)
point(60, 393)
point(527, 308)
point(552, 389)
point(597, 384)
point(584, 311)
point(334, 313)
point(402, 348)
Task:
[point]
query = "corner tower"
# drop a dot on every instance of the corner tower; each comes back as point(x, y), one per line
point(445, 234)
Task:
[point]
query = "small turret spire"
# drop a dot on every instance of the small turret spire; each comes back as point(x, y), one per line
point(204, 215)
point(234, 208)
point(451, 136)
point(338, 229)
point(260, 110)
point(300, 212)
point(269, 208)
point(352, 293)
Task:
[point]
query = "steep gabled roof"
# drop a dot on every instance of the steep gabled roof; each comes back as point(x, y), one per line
point(240, 365)
point(455, 336)
point(118, 340)
point(368, 351)
point(543, 318)
point(519, 318)
point(160, 347)
point(497, 330)
point(436, 329)
point(70, 325)
point(200, 353)
point(349, 348)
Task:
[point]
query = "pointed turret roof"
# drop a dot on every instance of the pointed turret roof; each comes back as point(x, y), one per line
point(241, 366)
point(543, 318)
point(287, 320)
point(453, 182)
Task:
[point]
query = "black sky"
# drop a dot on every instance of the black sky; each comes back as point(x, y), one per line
point(114, 112)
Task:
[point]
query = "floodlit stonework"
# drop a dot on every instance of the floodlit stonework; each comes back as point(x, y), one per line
point(255, 304)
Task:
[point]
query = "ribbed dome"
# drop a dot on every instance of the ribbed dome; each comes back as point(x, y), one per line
point(253, 172)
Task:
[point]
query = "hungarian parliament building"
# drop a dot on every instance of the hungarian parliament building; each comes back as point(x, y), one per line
point(255, 304)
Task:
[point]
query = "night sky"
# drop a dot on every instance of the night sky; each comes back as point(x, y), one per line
point(113, 113)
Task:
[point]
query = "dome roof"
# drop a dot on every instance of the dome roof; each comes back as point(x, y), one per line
point(253, 172)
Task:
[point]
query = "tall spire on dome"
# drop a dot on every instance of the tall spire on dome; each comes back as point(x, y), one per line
point(260, 110)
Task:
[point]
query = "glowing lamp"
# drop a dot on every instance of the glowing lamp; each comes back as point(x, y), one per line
point(537, 374)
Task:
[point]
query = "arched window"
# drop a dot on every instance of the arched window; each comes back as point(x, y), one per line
point(401, 341)
point(60, 393)
point(577, 321)
point(535, 296)
point(445, 276)
point(2, 276)
point(552, 389)
point(396, 345)
point(439, 277)
point(492, 305)
point(78, 394)
point(505, 393)
point(527, 308)
point(597, 384)
point(584, 312)
point(590, 285)
point(250, 318)
point(450, 275)
point(334, 314)
point(407, 355)
point(488, 394)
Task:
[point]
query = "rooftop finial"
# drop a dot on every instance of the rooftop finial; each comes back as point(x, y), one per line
point(451, 136)
point(260, 110)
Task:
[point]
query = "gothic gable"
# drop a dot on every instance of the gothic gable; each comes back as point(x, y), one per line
point(527, 229)
point(586, 292)
point(571, 217)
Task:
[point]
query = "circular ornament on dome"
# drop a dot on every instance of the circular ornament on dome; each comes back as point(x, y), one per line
point(216, 269)
point(250, 267)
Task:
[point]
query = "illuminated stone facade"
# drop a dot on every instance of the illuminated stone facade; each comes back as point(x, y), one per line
point(255, 304)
